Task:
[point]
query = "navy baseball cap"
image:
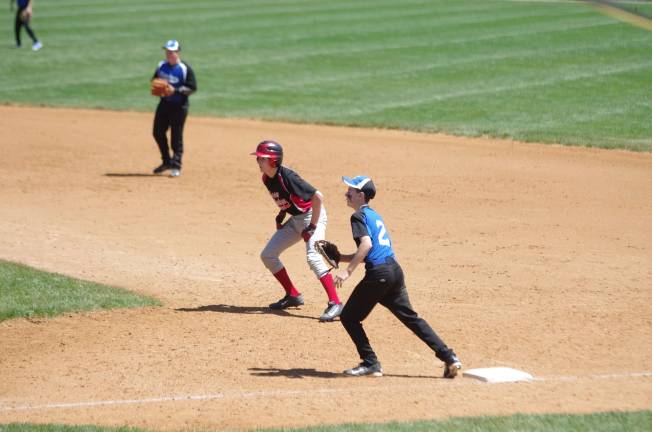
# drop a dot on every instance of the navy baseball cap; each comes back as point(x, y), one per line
point(172, 45)
point(361, 183)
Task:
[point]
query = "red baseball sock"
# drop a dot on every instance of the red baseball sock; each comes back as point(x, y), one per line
point(284, 279)
point(329, 286)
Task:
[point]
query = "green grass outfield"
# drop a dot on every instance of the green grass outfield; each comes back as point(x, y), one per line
point(537, 71)
point(602, 422)
point(27, 292)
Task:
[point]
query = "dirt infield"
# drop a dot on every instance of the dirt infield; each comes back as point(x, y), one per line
point(529, 256)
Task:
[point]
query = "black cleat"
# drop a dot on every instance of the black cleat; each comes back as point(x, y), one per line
point(453, 366)
point(161, 168)
point(288, 301)
point(364, 370)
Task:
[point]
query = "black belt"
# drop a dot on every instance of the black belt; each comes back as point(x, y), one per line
point(371, 264)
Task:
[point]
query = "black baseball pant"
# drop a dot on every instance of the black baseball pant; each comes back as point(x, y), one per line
point(170, 115)
point(385, 284)
point(20, 23)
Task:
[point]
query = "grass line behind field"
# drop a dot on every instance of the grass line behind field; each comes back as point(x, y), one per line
point(27, 292)
point(558, 72)
point(602, 422)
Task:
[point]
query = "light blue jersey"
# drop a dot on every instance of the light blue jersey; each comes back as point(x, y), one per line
point(367, 222)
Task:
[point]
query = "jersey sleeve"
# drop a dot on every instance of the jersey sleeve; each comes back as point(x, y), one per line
point(358, 226)
point(158, 68)
point(298, 186)
point(190, 82)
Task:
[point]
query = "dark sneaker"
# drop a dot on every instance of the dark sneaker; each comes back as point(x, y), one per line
point(163, 167)
point(332, 311)
point(363, 370)
point(453, 366)
point(288, 301)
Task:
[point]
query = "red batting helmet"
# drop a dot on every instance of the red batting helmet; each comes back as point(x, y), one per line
point(270, 149)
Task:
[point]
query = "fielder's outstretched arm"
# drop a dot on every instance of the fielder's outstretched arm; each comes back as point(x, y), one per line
point(353, 259)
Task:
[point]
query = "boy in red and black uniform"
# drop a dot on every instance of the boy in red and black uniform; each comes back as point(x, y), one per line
point(304, 204)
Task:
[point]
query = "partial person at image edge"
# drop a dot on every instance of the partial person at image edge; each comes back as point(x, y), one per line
point(24, 13)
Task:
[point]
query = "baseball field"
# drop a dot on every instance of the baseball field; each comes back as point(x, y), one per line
point(510, 143)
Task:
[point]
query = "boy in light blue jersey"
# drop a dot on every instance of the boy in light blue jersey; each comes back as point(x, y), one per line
point(383, 283)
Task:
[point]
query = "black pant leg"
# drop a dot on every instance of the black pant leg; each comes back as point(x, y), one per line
point(30, 32)
point(363, 299)
point(17, 25)
point(398, 302)
point(177, 122)
point(161, 125)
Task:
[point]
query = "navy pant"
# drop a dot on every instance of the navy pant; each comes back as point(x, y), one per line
point(170, 115)
point(19, 23)
point(385, 284)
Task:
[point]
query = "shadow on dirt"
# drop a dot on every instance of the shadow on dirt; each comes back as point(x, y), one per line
point(244, 310)
point(302, 373)
point(132, 175)
point(294, 373)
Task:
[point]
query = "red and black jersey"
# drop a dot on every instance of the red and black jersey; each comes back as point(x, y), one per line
point(289, 191)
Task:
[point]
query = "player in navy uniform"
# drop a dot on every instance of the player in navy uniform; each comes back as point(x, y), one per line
point(383, 283)
point(172, 110)
point(304, 204)
point(23, 17)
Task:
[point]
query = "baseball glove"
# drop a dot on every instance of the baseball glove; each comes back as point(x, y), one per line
point(161, 87)
point(329, 251)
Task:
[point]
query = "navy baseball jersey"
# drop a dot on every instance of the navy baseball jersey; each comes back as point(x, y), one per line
point(290, 192)
point(366, 222)
point(178, 75)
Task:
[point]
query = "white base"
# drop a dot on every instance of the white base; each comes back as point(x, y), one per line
point(498, 375)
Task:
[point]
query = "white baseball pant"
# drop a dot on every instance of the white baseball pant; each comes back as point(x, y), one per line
point(291, 234)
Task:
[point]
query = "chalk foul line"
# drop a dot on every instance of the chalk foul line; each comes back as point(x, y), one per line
point(285, 393)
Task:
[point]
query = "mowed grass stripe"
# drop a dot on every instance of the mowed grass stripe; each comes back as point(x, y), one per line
point(471, 83)
point(366, 21)
point(260, 19)
point(110, 39)
point(340, 62)
point(246, 10)
point(503, 86)
point(443, 57)
point(372, 59)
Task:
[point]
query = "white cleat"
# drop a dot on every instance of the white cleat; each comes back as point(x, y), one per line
point(37, 46)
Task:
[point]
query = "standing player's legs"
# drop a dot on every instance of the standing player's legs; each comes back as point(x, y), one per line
point(161, 125)
point(17, 27)
point(280, 241)
point(363, 299)
point(178, 116)
point(398, 302)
